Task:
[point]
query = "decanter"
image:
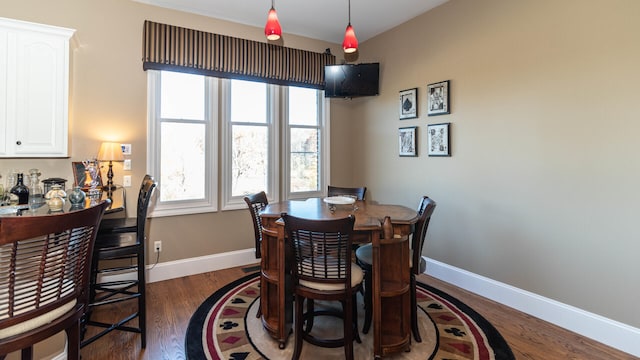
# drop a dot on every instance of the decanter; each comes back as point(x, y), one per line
point(36, 197)
point(21, 191)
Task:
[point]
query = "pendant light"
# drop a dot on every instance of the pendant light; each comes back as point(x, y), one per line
point(350, 43)
point(272, 30)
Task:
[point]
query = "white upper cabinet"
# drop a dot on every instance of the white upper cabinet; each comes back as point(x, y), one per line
point(34, 89)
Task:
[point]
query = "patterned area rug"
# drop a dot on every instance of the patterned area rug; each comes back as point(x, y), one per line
point(225, 327)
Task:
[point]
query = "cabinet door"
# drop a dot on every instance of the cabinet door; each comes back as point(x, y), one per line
point(41, 125)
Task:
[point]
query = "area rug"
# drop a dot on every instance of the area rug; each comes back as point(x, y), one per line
point(225, 327)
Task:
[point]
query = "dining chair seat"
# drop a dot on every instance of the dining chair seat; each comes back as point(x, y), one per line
point(364, 254)
point(357, 275)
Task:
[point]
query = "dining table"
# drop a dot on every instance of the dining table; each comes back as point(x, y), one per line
point(276, 302)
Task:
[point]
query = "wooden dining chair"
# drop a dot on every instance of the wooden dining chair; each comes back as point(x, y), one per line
point(418, 265)
point(356, 191)
point(257, 202)
point(44, 277)
point(322, 270)
point(117, 252)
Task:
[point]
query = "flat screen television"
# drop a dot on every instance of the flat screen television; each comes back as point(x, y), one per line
point(351, 80)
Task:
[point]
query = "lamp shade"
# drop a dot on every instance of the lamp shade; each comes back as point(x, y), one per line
point(350, 43)
point(110, 151)
point(272, 30)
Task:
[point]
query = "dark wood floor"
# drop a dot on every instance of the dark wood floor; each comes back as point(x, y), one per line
point(170, 305)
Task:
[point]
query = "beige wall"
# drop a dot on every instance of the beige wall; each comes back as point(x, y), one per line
point(541, 191)
point(109, 103)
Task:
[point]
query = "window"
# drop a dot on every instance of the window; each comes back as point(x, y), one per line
point(273, 138)
point(305, 141)
point(182, 154)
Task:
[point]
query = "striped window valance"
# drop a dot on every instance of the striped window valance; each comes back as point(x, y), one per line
point(167, 47)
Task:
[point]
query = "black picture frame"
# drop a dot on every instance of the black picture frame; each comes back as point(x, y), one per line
point(408, 141)
point(438, 98)
point(439, 139)
point(408, 104)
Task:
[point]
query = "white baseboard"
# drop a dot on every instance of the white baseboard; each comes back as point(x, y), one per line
point(610, 332)
point(179, 268)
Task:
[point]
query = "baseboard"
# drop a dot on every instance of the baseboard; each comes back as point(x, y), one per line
point(201, 264)
point(610, 332)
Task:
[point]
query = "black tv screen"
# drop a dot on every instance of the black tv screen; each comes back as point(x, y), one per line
point(351, 80)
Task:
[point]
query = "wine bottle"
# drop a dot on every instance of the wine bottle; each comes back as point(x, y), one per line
point(21, 191)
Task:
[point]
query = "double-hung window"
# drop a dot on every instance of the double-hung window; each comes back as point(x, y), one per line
point(272, 138)
point(182, 150)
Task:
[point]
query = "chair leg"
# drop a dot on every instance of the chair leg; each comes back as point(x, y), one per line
point(414, 310)
point(348, 330)
point(298, 327)
point(142, 300)
point(356, 333)
point(368, 301)
point(310, 310)
point(27, 353)
point(73, 341)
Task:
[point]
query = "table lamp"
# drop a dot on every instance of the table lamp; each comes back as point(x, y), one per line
point(110, 151)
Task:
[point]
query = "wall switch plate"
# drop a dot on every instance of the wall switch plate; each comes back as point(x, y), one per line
point(127, 164)
point(126, 181)
point(126, 149)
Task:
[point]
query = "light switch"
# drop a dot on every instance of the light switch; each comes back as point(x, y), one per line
point(126, 181)
point(127, 164)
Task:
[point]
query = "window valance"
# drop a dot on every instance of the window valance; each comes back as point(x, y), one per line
point(168, 47)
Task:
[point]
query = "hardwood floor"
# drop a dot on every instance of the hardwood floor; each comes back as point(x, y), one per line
point(171, 303)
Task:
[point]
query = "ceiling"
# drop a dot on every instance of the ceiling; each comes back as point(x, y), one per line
point(322, 20)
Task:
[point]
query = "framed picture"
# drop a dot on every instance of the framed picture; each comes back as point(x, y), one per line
point(438, 98)
point(82, 176)
point(409, 104)
point(438, 139)
point(407, 141)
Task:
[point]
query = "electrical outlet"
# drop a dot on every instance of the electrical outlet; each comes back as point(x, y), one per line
point(126, 181)
point(127, 164)
point(157, 246)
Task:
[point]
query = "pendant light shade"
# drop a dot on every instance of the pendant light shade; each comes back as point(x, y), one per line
point(350, 42)
point(272, 30)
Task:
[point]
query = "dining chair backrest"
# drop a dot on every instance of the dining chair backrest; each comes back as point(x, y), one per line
point(321, 249)
point(44, 276)
point(144, 198)
point(425, 210)
point(256, 202)
point(356, 191)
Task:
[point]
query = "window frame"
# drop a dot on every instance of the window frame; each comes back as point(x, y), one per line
point(324, 131)
point(230, 202)
point(210, 201)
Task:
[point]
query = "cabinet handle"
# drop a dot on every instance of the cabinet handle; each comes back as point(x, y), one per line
point(18, 142)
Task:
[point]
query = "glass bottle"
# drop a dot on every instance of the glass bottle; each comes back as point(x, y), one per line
point(21, 191)
point(36, 197)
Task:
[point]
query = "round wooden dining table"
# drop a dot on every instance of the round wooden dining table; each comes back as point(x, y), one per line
point(275, 287)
